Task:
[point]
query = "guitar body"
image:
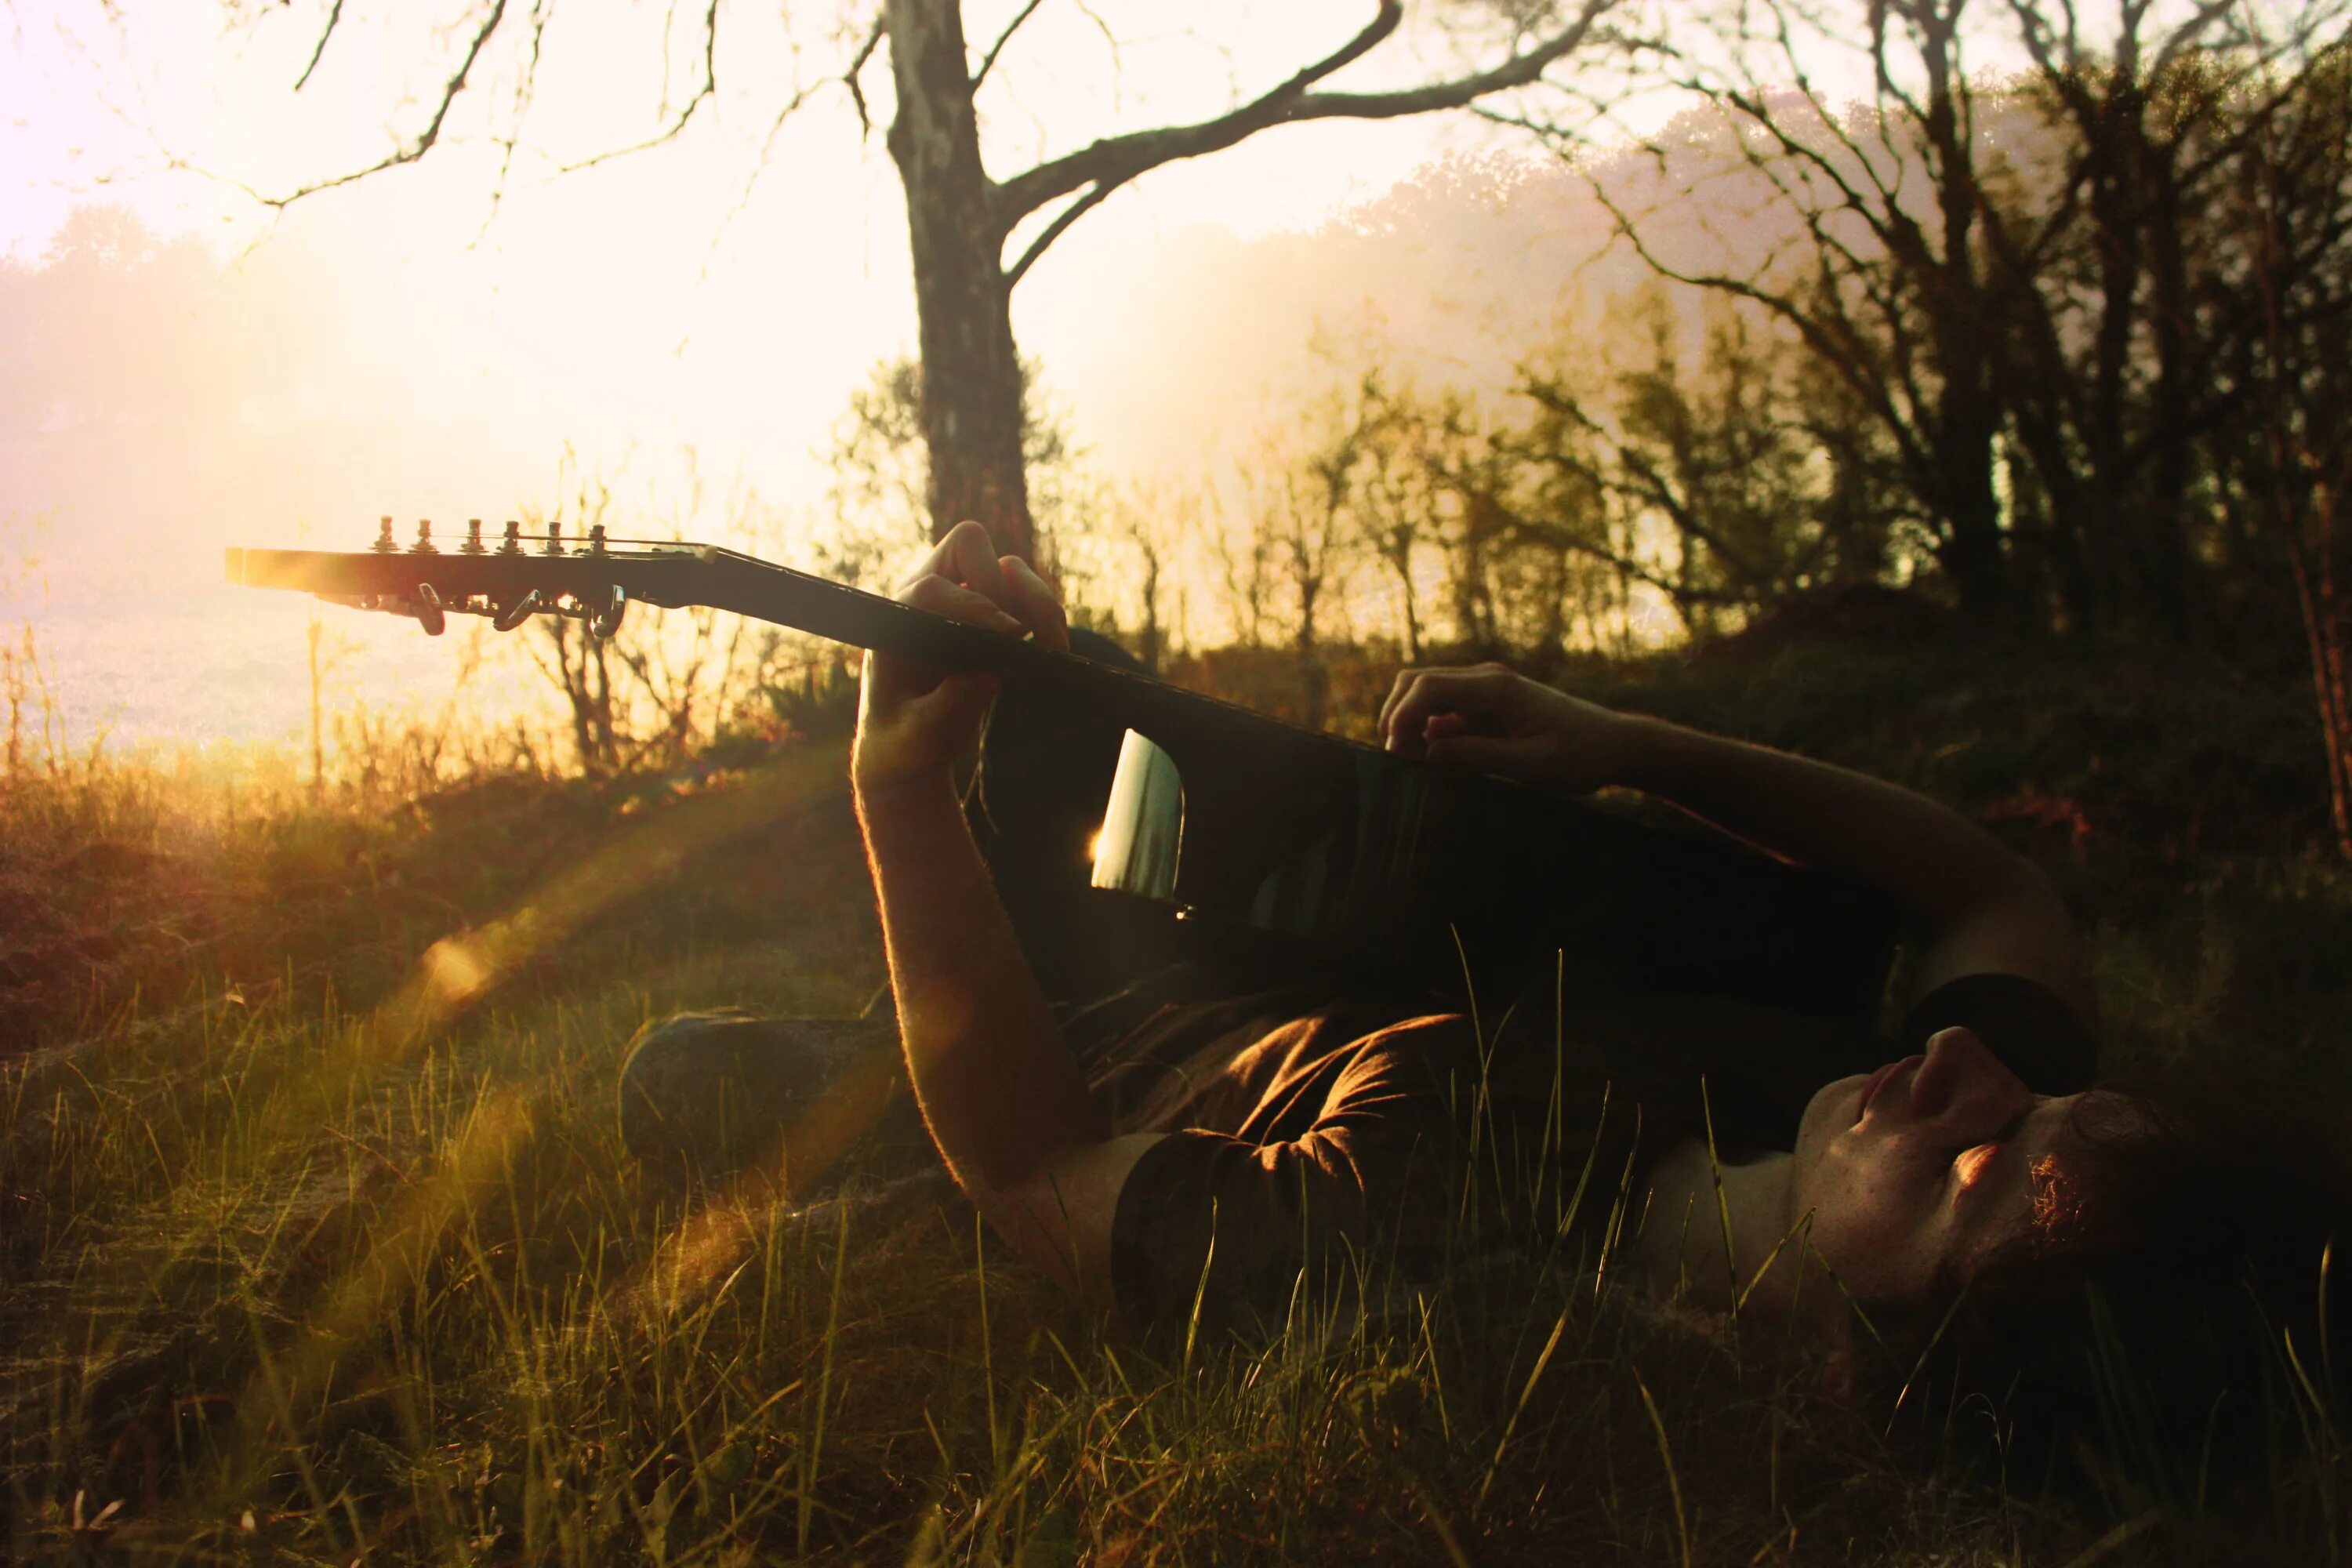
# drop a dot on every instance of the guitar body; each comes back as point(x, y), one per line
point(1391, 868)
point(1409, 873)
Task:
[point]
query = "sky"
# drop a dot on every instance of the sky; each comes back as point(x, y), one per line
point(684, 323)
point(470, 334)
point(648, 303)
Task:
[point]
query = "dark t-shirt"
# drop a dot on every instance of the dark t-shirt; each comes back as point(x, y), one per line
point(1304, 1139)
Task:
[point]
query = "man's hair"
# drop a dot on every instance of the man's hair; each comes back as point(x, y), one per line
point(2163, 1328)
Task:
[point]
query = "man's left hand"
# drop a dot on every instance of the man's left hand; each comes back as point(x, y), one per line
point(914, 722)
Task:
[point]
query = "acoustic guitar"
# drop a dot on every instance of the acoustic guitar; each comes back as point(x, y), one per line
point(1390, 867)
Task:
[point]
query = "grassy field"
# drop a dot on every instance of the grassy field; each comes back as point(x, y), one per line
point(317, 1243)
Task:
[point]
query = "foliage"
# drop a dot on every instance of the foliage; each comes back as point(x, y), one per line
point(282, 1279)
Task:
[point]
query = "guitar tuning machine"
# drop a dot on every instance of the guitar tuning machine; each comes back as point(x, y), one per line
point(554, 545)
point(473, 545)
point(424, 545)
point(426, 607)
point(512, 544)
point(604, 620)
point(506, 617)
point(384, 544)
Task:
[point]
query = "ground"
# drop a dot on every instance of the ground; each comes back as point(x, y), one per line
point(317, 1241)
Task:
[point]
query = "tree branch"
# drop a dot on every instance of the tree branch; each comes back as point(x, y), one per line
point(858, 64)
point(425, 140)
point(334, 15)
point(1116, 160)
point(704, 92)
point(1002, 38)
point(526, 85)
point(1052, 231)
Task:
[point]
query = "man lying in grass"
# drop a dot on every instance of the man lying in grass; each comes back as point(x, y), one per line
point(1955, 1211)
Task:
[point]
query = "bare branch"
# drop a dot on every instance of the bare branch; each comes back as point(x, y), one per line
point(1829, 339)
point(334, 15)
point(857, 65)
point(1114, 160)
point(1002, 38)
point(1052, 231)
point(704, 92)
point(526, 88)
point(426, 139)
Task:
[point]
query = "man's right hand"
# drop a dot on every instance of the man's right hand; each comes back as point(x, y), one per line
point(1485, 716)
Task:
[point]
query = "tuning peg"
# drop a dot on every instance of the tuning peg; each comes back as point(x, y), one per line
point(384, 544)
point(512, 544)
point(554, 545)
point(429, 611)
point(424, 545)
point(521, 610)
point(596, 540)
point(605, 621)
point(473, 545)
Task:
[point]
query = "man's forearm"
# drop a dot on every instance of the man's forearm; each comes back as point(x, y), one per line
point(995, 1084)
point(1939, 866)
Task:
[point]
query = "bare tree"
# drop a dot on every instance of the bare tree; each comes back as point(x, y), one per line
point(577, 665)
point(1714, 457)
point(1978, 261)
point(1534, 551)
point(1244, 548)
point(1396, 505)
point(2285, 461)
point(1884, 278)
point(975, 233)
point(1151, 524)
point(880, 464)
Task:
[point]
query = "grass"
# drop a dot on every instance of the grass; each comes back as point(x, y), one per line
point(316, 1242)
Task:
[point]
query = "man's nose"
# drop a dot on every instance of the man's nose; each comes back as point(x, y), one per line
point(1960, 1080)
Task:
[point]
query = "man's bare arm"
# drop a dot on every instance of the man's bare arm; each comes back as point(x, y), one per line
point(1971, 906)
point(1004, 1102)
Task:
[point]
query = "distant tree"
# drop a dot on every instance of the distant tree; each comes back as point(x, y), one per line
point(975, 233)
point(1396, 508)
point(1312, 510)
point(1151, 524)
point(1522, 537)
point(2002, 273)
point(666, 683)
point(880, 464)
point(2131, 260)
point(2283, 455)
point(1715, 457)
point(1886, 279)
point(581, 667)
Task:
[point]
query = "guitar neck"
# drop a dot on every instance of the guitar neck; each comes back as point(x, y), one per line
point(1402, 863)
point(677, 577)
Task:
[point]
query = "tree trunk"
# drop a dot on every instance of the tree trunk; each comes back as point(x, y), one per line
point(2322, 623)
point(971, 372)
point(1961, 318)
point(1400, 559)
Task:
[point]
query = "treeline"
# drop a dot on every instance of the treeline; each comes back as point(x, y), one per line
point(2064, 354)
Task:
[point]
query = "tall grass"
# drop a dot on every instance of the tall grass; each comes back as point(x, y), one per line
point(293, 1268)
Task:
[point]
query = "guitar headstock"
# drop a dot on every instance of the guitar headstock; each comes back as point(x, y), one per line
point(590, 580)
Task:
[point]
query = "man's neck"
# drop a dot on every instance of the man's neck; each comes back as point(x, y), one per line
point(1697, 1206)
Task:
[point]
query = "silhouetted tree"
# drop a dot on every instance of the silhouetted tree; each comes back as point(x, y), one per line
point(1715, 456)
point(2282, 457)
point(2130, 260)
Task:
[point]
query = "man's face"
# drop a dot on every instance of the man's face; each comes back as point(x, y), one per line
point(1914, 1173)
